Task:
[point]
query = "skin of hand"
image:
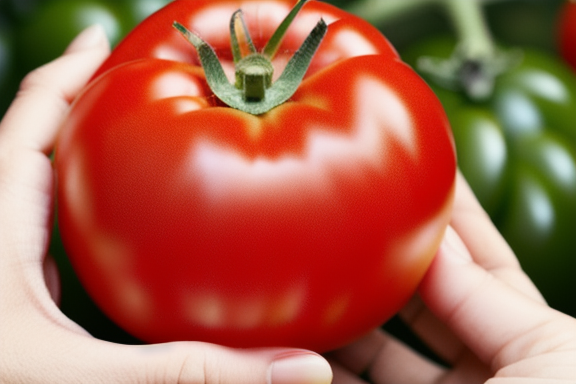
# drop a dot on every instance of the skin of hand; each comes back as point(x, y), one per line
point(478, 311)
point(38, 344)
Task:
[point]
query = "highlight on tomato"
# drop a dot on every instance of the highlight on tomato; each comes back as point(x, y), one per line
point(254, 174)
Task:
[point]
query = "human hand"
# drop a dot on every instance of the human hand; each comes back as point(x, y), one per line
point(38, 344)
point(478, 311)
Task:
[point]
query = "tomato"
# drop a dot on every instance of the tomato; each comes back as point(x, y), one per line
point(568, 33)
point(306, 226)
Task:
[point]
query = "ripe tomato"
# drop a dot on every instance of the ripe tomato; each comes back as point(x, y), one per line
point(568, 33)
point(305, 226)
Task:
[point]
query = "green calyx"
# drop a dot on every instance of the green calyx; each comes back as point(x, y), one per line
point(254, 91)
point(475, 77)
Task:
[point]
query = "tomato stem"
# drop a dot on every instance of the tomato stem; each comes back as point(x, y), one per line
point(254, 76)
point(253, 90)
point(476, 61)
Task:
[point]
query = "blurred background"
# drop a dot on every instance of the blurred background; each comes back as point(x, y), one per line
point(33, 32)
point(517, 148)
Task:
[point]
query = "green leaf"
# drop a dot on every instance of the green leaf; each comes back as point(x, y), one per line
point(274, 43)
point(245, 39)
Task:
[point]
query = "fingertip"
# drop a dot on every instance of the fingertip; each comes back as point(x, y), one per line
point(90, 38)
point(300, 368)
point(451, 255)
point(454, 249)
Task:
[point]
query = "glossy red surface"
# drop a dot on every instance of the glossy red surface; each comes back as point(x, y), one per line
point(306, 226)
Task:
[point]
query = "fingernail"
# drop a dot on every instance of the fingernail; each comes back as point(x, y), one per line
point(301, 368)
point(89, 38)
point(454, 248)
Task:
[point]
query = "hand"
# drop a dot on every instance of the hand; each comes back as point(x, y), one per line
point(38, 343)
point(478, 311)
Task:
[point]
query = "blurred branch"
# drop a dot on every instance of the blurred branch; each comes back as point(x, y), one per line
point(475, 63)
point(378, 12)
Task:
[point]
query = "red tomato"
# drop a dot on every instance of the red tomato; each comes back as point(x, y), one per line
point(306, 226)
point(568, 33)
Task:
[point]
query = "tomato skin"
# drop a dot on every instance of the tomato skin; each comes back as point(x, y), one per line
point(307, 226)
point(568, 33)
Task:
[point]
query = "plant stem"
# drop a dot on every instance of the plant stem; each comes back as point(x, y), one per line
point(469, 22)
point(466, 16)
point(476, 61)
point(378, 12)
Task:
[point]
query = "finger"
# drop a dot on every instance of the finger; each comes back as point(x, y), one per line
point(359, 355)
point(45, 94)
point(433, 332)
point(490, 250)
point(467, 369)
point(41, 345)
point(30, 126)
point(387, 360)
point(497, 323)
point(211, 364)
point(52, 279)
point(344, 376)
point(399, 364)
point(521, 380)
point(80, 359)
point(57, 351)
point(205, 363)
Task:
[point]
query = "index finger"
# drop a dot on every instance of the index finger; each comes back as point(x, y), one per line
point(488, 248)
point(28, 129)
point(34, 117)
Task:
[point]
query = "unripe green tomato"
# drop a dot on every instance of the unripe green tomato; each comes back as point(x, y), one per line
point(47, 32)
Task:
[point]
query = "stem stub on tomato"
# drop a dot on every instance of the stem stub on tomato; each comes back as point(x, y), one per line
point(254, 91)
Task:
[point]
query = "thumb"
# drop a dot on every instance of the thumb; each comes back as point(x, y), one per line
point(53, 350)
point(199, 363)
